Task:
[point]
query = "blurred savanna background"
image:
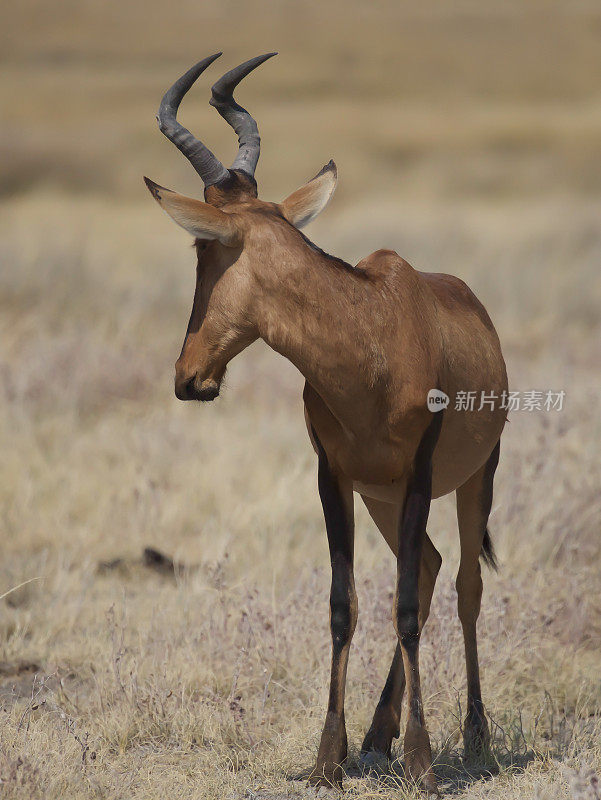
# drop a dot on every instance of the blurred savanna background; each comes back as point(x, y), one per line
point(467, 137)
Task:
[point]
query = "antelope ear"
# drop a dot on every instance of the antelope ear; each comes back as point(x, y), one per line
point(307, 202)
point(199, 219)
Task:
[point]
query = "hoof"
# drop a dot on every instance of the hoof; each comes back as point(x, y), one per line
point(419, 770)
point(379, 738)
point(429, 784)
point(476, 737)
point(373, 760)
point(326, 777)
point(332, 753)
point(418, 758)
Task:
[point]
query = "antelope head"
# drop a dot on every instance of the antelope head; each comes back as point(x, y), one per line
point(241, 241)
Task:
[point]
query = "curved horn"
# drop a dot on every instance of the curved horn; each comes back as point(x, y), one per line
point(249, 141)
point(208, 166)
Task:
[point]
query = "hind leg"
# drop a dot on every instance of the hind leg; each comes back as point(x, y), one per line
point(474, 500)
point(385, 725)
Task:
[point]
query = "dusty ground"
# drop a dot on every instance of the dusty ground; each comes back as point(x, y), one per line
point(467, 139)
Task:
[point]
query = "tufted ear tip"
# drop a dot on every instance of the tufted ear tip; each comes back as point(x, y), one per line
point(310, 200)
point(153, 188)
point(329, 167)
point(201, 220)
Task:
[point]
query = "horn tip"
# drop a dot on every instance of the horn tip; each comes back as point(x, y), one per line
point(209, 59)
point(265, 57)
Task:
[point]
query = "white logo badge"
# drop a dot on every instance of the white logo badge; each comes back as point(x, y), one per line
point(437, 400)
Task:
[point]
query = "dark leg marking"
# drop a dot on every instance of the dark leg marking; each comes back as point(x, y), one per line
point(385, 725)
point(412, 532)
point(337, 501)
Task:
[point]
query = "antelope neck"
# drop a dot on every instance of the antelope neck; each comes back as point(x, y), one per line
point(312, 310)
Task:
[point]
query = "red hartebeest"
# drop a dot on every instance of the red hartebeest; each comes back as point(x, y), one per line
point(371, 341)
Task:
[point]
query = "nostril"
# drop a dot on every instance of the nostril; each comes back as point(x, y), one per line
point(184, 389)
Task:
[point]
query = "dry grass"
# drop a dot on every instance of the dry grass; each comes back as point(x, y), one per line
point(119, 679)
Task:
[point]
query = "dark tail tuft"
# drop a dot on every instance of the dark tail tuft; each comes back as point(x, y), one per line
point(487, 554)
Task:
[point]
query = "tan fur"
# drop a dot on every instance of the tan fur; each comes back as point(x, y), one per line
point(371, 341)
